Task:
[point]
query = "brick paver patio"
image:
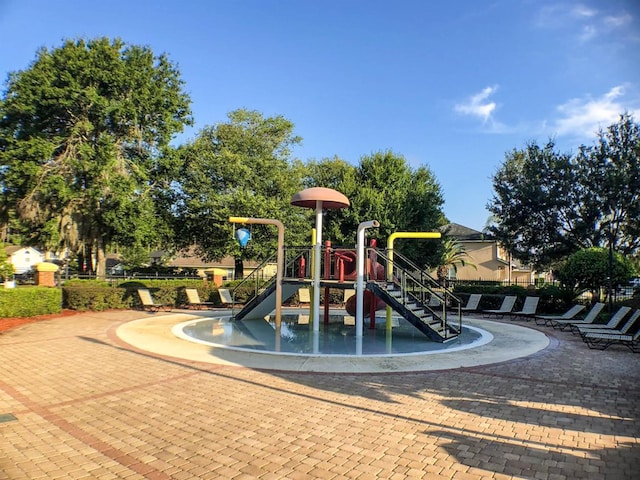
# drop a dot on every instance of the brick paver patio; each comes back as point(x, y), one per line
point(76, 402)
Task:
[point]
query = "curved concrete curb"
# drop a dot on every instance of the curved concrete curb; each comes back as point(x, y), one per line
point(510, 342)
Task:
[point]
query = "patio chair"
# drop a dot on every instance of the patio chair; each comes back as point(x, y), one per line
point(612, 324)
point(528, 309)
point(148, 303)
point(304, 296)
point(434, 302)
point(193, 299)
point(587, 320)
point(568, 315)
point(507, 306)
point(472, 303)
point(624, 330)
point(602, 340)
point(225, 297)
point(348, 293)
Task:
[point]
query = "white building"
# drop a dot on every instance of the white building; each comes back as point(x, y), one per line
point(23, 259)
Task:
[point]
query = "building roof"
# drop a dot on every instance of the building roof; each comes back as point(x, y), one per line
point(460, 232)
point(11, 249)
point(190, 260)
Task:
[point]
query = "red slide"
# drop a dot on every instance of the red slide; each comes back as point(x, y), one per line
point(350, 306)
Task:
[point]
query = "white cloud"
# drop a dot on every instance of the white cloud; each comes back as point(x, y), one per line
point(588, 32)
point(582, 11)
point(618, 20)
point(583, 22)
point(583, 117)
point(478, 105)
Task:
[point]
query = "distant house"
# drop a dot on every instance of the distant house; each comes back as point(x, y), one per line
point(23, 259)
point(217, 272)
point(491, 260)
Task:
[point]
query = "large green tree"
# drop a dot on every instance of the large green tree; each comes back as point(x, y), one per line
point(241, 168)
point(383, 187)
point(84, 136)
point(548, 205)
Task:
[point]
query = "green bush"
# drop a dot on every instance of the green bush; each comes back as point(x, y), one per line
point(94, 298)
point(29, 301)
point(488, 288)
point(169, 291)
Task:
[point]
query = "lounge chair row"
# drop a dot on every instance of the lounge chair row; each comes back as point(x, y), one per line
point(528, 309)
point(193, 300)
point(595, 335)
point(617, 331)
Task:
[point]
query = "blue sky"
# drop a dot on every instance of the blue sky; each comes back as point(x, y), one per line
point(450, 85)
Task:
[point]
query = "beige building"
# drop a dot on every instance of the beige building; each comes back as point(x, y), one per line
point(492, 262)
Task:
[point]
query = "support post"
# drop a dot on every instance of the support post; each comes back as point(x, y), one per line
point(360, 274)
point(317, 248)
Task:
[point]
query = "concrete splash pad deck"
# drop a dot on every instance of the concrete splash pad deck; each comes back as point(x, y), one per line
point(509, 342)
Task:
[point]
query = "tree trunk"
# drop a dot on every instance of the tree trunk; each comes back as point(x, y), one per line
point(239, 270)
point(101, 261)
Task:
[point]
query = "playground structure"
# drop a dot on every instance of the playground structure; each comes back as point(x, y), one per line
point(381, 278)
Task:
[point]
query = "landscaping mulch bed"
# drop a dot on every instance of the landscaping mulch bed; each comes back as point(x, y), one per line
point(9, 323)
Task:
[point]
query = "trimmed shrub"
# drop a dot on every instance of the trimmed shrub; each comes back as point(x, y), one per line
point(95, 295)
point(29, 301)
point(94, 298)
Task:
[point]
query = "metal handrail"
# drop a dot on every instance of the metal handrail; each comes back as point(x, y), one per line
point(417, 288)
point(266, 284)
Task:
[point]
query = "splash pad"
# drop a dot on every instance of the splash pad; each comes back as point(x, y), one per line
point(337, 336)
point(155, 334)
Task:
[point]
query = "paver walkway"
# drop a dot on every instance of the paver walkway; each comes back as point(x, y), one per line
point(76, 402)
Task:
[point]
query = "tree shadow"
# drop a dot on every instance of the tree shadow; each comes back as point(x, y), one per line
point(532, 459)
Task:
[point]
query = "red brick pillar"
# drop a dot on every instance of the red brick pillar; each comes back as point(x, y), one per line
point(46, 274)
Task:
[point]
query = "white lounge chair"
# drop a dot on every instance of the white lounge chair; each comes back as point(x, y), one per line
point(587, 320)
point(506, 307)
point(473, 303)
point(148, 303)
point(193, 299)
point(225, 297)
point(612, 324)
point(528, 308)
point(568, 315)
point(348, 293)
point(434, 302)
point(602, 340)
point(623, 330)
point(304, 296)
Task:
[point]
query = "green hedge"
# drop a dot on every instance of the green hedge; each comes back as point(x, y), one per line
point(29, 301)
point(84, 295)
point(553, 299)
point(94, 298)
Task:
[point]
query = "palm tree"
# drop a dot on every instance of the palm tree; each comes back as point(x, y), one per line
point(454, 254)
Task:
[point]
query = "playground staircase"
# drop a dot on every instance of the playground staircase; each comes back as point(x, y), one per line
point(262, 300)
point(433, 324)
point(418, 297)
